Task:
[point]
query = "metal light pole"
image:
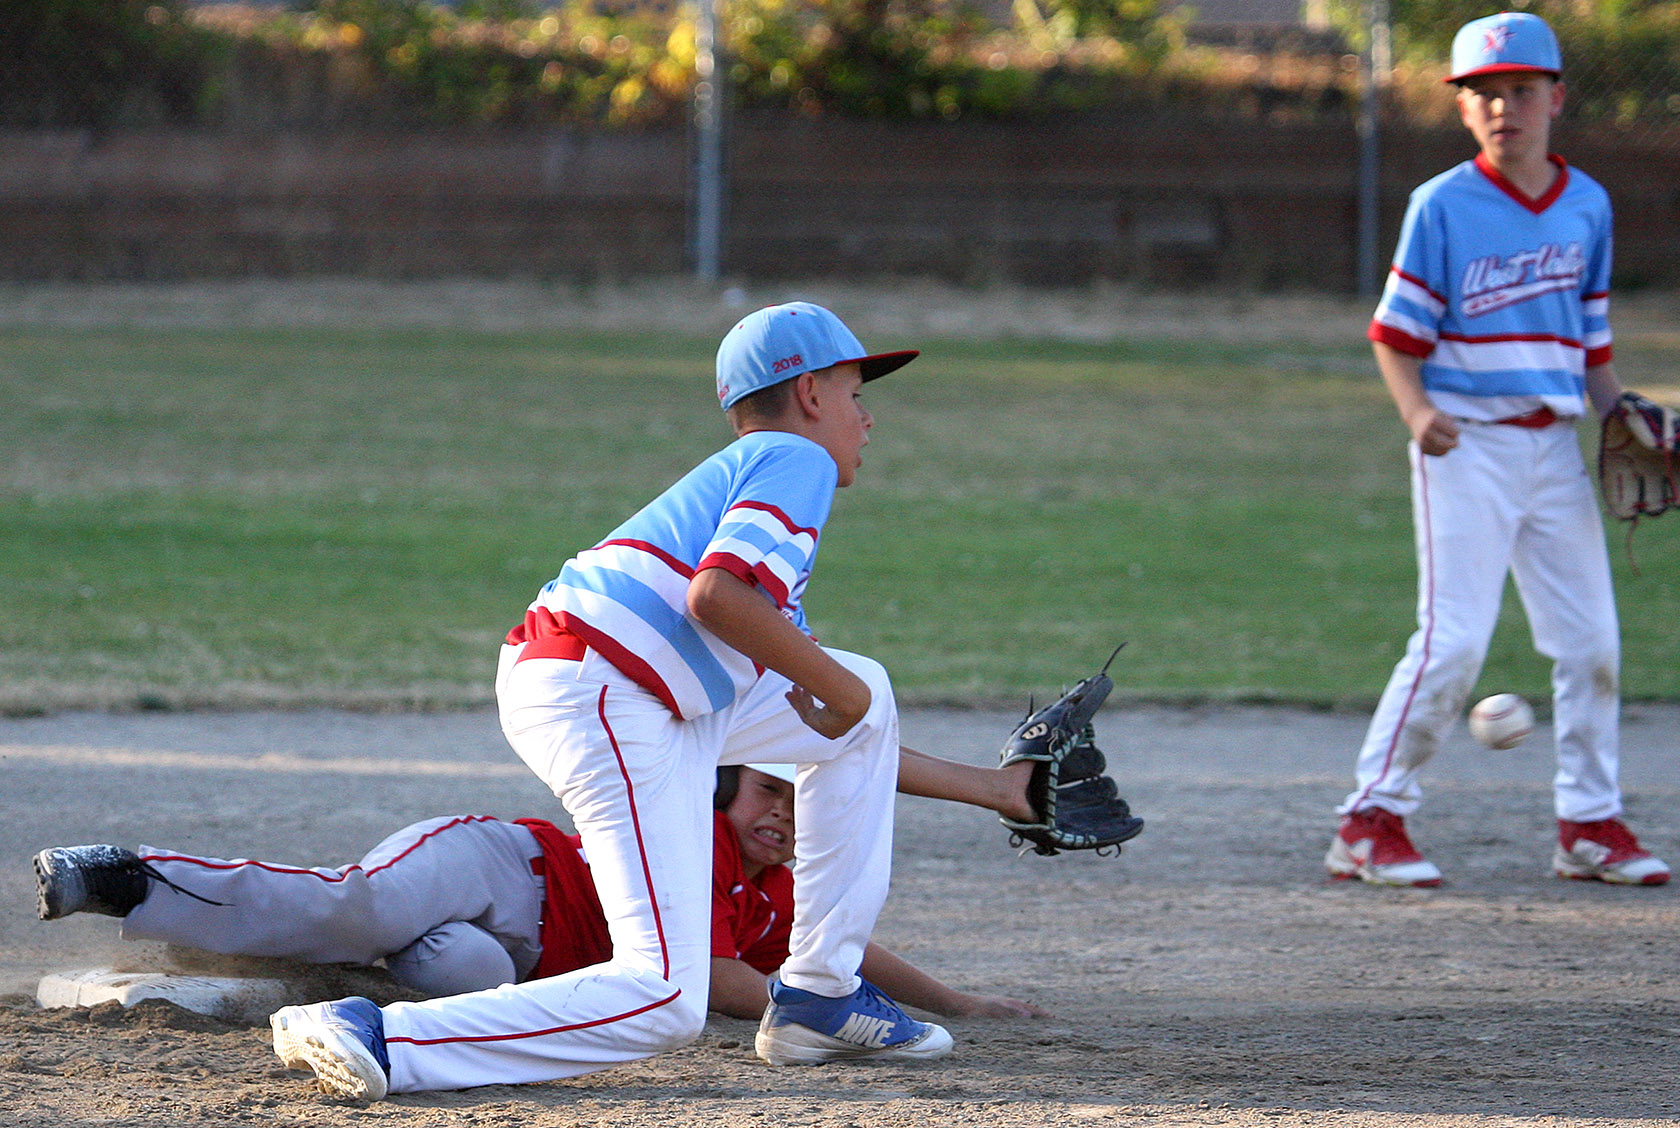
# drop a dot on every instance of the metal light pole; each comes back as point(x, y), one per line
point(708, 135)
point(1376, 62)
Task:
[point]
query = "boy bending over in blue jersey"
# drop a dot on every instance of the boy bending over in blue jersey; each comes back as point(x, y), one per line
point(1492, 335)
point(677, 644)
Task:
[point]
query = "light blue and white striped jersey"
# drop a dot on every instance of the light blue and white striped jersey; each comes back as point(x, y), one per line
point(755, 509)
point(1505, 298)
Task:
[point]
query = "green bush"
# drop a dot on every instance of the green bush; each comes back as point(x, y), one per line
point(511, 63)
point(926, 58)
point(609, 62)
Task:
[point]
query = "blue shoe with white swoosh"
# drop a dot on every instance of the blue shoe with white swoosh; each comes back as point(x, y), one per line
point(800, 1028)
point(343, 1042)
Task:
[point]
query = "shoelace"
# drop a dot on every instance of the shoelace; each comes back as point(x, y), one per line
point(876, 1002)
point(150, 871)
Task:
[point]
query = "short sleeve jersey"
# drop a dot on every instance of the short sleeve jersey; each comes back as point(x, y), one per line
point(1505, 298)
point(751, 917)
point(755, 509)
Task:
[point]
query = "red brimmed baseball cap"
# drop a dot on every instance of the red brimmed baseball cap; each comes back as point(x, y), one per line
point(1505, 43)
point(779, 342)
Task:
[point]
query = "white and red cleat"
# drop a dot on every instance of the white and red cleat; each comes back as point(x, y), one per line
point(1372, 845)
point(1605, 850)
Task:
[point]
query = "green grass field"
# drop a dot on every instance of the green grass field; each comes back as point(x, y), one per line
point(356, 517)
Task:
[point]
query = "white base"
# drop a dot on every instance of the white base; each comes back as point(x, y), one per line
point(234, 999)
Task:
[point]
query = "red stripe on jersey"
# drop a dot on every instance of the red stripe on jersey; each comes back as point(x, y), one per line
point(787, 522)
point(1419, 283)
point(1535, 205)
point(1395, 339)
point(759, 574)
point(672, 562)
point(628, 663)
point(1500, 338)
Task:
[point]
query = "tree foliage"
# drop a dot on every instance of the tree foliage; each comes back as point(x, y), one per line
point(1621, 58)
point(619, 63)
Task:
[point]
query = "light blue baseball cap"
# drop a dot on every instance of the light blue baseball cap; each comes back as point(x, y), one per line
point(1503, 43)
point(779, 342)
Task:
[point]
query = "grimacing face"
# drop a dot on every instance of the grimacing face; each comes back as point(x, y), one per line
point(762, 815)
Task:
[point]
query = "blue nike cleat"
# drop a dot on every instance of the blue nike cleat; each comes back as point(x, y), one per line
point(343, 1042)
point(800, 1027)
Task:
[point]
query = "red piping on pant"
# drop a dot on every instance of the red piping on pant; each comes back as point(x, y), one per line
point(331, 877)
point(1428, 632)
point(664, 950)
point(538, 1033)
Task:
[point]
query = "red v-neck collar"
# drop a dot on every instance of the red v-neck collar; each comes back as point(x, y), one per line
point(1559, 183)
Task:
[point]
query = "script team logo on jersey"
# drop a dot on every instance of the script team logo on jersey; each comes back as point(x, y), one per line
point(1495, 283)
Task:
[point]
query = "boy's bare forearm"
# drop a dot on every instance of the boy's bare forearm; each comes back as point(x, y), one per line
point(1402, 374)
point(995, 789)
point(1434, 431)
point(738, 989)
point(743, 618)
point(908, 984)
point(1603, 387)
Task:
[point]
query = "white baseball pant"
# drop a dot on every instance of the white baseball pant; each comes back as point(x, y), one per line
point(638, 784)
point(451, 905)
point(1517, 501)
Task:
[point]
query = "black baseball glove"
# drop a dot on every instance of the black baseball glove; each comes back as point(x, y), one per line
point(1076, 805)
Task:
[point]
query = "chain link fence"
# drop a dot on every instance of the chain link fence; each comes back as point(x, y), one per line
point(1621, 60)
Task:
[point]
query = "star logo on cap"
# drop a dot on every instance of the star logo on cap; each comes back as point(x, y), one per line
point(1495, 39)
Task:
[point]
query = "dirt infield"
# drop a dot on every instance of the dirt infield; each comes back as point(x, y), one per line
point(1209, 976)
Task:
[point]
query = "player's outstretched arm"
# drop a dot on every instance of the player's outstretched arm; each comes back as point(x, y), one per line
point(1003, 790)
point(906, 983)
point(741, 991)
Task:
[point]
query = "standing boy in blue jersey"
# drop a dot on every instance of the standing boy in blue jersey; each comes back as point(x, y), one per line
point(1492, 334)
point(675, 645)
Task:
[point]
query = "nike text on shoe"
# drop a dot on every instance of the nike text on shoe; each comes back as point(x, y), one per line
point(343, 1042)
point(1605, 850)
point(800, 1027)
point(1372, 846)
point(88, 879)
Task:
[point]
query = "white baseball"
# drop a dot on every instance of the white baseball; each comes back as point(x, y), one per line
point(1501, 721)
